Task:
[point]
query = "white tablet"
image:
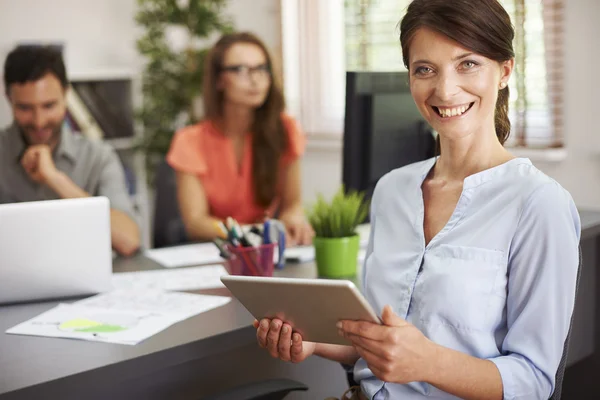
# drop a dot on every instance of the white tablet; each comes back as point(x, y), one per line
point(311, 306)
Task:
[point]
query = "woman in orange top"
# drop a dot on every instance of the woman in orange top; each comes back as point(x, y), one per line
point(243, 160)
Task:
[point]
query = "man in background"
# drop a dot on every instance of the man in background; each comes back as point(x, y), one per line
point(41, 159)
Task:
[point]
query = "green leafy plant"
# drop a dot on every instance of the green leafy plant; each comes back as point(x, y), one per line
point(339, 217)
point(172, 78)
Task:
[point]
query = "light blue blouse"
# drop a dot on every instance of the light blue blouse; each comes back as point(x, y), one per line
point(497, 282)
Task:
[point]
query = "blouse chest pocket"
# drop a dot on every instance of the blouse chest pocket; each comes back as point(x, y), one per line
point(456, 286)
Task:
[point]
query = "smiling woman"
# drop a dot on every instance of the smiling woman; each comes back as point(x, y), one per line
point(474, 80)
point(537, 101)
point(464, 247)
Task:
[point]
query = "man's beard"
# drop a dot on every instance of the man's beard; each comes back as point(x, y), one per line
point(29, 136)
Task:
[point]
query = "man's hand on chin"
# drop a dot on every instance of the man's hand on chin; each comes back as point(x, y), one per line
point(38, 164)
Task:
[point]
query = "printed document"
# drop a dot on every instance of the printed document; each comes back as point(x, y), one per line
point(186, 255)
point(192, 278)
point(121, 316)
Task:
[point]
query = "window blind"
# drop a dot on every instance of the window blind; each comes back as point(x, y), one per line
point(536, 101)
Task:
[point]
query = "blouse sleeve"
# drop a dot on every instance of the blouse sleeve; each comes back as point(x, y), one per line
point(186, 151)
point(541, 293)
point(296, 140)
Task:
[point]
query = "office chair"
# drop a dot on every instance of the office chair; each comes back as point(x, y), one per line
point(560, 372)
point(272, 389)
point(168, 228)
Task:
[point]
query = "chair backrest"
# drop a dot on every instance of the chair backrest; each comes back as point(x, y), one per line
point(560, 372)
point(168, 228)
point(272, 389)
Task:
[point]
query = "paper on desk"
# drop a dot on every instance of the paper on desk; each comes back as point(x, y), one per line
point(300, 254)
point(364, 231)
point(186, 255)
point(362, 254)
point(193, 278)
point(180, 305)
point(122, 317)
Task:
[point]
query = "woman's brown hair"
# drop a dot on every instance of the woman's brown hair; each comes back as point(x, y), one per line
point(269, 139)
point(482, 26)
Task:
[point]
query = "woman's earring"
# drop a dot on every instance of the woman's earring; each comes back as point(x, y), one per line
point(502, 85)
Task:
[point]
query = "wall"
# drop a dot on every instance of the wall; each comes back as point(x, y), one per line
point(100, 35)
point(96, 34)
point(99, 39)
point(321, 170)
point(580, 171)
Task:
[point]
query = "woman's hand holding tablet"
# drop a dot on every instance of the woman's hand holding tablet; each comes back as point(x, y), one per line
point(281, 342)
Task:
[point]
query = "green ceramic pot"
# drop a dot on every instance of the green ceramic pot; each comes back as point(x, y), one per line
point(336, 257)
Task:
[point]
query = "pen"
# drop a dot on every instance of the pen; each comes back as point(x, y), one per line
point(237, 229)
point(229, 223)
point(230, 232)
point(254, 235)
point(267, 232)
point(256, 230)
point(236, 241)
point(221, 229)
point(280, 229)
point(223, 252)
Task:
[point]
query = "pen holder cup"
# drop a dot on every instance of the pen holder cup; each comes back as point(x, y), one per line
point(251, 261)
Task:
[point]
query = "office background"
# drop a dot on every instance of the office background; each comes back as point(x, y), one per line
point(99, 39)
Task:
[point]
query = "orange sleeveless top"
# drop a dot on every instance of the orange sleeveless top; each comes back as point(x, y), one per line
point(203, 150)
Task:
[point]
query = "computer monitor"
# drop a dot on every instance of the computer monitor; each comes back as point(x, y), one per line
point(383, 129)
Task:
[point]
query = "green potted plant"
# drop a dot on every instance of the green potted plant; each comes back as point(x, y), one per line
point(336, 241)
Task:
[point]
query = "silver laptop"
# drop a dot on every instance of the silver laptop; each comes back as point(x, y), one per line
point(54, 249)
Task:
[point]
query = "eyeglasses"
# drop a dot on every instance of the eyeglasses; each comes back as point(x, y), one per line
point(246, 71)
